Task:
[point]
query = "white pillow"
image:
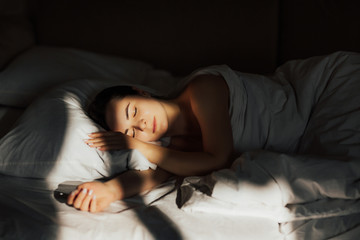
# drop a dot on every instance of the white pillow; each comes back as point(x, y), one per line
point(48, 140)
point(41, 68)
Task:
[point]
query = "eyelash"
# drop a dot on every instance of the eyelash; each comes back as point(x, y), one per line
point(135, 111)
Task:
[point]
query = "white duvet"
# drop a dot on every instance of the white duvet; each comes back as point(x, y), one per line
point(313, 187)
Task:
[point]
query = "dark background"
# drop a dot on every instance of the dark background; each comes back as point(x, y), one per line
point(180, 36)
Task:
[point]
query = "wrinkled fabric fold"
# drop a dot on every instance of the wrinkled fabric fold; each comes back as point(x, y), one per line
point(303, 168)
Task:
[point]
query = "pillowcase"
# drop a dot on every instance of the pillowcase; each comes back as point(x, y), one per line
point(40, 68)
point(48, 140)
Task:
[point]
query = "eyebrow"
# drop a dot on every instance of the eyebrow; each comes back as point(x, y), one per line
point(127, 116)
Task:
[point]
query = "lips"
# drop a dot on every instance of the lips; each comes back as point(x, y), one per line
point(154, 125)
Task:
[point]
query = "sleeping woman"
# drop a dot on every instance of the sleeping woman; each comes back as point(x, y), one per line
point(306, 107)
point(197, 121)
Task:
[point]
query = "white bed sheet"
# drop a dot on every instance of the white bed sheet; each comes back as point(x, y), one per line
point(30, 211)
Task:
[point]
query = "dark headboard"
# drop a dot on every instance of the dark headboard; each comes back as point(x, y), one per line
point(317, 27)
point(182, 35)
point(175, 35)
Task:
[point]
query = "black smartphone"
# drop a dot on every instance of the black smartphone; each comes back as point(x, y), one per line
point(64, 190)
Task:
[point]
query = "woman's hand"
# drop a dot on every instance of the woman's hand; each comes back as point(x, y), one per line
point(106, 141)
point(97, 196)
point(92, 197)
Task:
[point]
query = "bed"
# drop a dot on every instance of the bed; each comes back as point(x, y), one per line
point(306, 189)
point(29, 185)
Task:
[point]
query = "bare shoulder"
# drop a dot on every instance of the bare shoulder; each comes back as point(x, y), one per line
point(208, 82)
point(209, 100)
point(209, 88)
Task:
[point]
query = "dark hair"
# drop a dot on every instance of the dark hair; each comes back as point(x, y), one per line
point(97, 108)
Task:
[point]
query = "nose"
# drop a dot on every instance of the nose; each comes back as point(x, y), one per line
point(141, 124)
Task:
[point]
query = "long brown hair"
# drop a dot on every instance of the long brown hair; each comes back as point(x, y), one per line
point(97, 108)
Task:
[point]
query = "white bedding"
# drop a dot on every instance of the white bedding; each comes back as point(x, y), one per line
point(313, 184)
point(304, 194)
point(29, 211)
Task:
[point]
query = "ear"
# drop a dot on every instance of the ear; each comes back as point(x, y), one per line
point(142, 92)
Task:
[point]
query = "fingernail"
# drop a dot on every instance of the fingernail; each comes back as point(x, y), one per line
point(84, 190)
point(94, 197)
point(90, 192)
point(72, 193)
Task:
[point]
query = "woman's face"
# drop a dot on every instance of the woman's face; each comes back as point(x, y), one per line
point(140, 117)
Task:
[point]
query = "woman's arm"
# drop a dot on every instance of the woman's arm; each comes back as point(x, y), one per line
point(183, 163)
point(96, 196)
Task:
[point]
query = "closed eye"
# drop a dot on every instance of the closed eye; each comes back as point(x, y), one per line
point(135, 111)
point(127, 111)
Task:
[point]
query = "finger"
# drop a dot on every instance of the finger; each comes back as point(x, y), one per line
point(107, 146)
point(108, 135)
point(94, 140)
point(71, 197)
point(101, 134)
point(93, 203)
point(85, 206)
point(79, 198)
point(98, 142)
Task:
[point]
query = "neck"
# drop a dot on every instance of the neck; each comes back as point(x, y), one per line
point(180, 117)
